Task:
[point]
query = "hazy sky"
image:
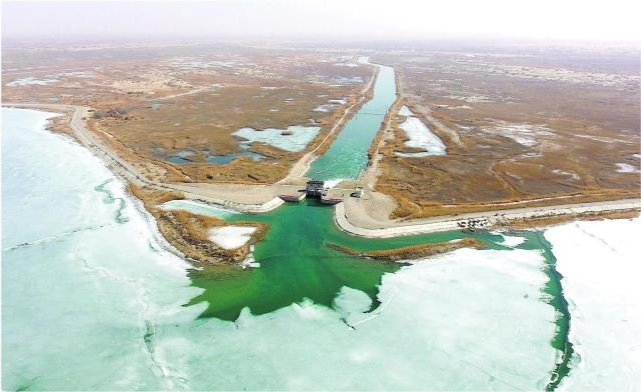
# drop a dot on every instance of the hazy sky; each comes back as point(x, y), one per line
point(539, 19)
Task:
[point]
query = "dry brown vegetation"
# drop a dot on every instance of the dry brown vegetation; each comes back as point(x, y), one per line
point(548, 127)
point(412, 252)
point(154, 101)
point(189, 232)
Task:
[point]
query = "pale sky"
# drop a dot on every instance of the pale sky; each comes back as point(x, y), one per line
point(521, 19)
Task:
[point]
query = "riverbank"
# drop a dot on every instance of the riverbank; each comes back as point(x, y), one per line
point(367, 218)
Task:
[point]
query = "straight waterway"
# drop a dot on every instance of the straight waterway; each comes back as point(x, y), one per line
point(94, 300)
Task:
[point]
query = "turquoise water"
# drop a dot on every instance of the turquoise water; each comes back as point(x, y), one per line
point(123, 312)
point(348, 154)
point(296, 263)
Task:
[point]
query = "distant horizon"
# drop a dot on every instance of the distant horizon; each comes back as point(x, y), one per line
point(311, 21)
point(454, 43)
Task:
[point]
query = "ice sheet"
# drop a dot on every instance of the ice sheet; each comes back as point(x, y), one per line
point(420, 136)
point(470, 320)
point(112, 300)
point(231, 237)
point(601, 264)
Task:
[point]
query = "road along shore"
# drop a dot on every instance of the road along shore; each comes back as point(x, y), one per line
point(353, 215)
point(357, 222)
point(239, 197)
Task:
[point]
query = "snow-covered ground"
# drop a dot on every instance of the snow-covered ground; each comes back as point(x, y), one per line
point(297, 141)
point(341, 101)
point(572, 175)
point(525, 134)
point(323, 108)
point(330, 105)
point(626, 168)
point(31, 81)
point(420, 136)
point(601, 266)
point(405, 111)
point(231, 237)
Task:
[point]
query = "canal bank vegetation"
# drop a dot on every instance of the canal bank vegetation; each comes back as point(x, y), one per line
point(412, 252)
point(190, 233)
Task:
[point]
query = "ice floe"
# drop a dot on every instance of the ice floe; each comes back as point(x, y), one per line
point(332, 183)
point(231, 237)
point(601, 264)
point(249, 261)
point(512, 241)
point(297, 139)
